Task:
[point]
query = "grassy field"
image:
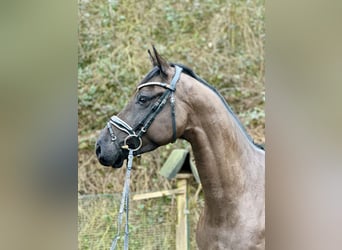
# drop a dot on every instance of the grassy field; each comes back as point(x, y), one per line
point(223, 41)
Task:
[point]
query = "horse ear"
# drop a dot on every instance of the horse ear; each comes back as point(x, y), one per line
point(160, 62)
point(153, 60)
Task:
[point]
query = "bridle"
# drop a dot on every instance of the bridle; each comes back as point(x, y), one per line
point(133, 140)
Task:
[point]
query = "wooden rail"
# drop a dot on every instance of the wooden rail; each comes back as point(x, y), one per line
point(158, 194)
point(181, 192)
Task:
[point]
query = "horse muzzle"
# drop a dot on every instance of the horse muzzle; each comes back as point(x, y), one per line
point(110, 155)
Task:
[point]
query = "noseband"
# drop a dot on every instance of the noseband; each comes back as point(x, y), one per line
point(133, 141)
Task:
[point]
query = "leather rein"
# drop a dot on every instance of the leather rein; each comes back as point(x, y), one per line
point(133, 140)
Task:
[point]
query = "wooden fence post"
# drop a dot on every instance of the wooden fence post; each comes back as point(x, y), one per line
point(182, 228)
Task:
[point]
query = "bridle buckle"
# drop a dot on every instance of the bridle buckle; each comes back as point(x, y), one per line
point(132, 142)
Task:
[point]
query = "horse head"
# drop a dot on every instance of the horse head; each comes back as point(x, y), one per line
point(150, 119)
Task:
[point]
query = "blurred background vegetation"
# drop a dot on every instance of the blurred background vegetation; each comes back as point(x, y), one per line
point(222, 41)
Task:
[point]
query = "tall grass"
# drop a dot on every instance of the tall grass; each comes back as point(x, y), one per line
point(150, 226)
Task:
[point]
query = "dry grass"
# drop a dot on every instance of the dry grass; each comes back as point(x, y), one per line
point(150, 226)
point(222, 41)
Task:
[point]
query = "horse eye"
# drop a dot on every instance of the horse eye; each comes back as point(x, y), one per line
point(142, 99)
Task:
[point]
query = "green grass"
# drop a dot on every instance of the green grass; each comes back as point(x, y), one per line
point(223, 41)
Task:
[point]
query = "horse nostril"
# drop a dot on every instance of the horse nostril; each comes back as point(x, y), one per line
point(98, 150)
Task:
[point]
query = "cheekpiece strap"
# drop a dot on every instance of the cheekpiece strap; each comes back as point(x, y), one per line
point(175, 78)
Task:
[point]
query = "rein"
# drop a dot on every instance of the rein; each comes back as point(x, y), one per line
point(133, 142)
point(124, 204)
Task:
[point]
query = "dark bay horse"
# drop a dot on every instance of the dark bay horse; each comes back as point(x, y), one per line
point(173, 102)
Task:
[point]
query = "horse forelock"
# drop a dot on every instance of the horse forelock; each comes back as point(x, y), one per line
point(153, 73)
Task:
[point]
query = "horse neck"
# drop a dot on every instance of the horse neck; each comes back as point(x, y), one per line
point(224, 156)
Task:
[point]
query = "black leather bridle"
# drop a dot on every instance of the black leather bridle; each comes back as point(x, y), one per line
point(133, 140)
